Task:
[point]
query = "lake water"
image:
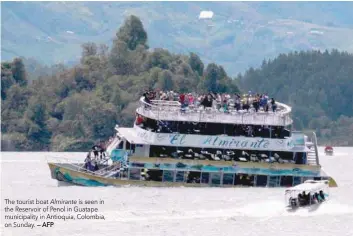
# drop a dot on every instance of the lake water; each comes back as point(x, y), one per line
point(180, 211)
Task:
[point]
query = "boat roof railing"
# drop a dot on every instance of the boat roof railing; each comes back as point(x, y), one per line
point(171, 110)
point(166, 103)
point(309, 186)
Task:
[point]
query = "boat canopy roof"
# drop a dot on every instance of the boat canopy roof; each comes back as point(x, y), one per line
point(309, 186)
point(130, 135)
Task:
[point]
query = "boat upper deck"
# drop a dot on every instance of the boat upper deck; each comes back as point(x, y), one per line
point(173, 111)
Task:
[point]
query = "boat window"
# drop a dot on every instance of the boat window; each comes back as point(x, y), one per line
point(179, 176)
point(194, 177)
point(205, 177)
point(130, 146)
point(134, 164)
point(228, 179)
point(286, 181)
point(261, 180)
point(135, 174)
point(168, 175)
point(299, 158)
point(121, 145)
point(216, 178)
point(162, 151)
point(214, 154)
point(274, 181)
point(155, 175)
point(245, 179)
point(296, 180)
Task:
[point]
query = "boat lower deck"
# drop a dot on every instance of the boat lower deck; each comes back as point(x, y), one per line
point(74, 173)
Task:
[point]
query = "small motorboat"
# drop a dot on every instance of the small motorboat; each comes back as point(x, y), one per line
point(328, 151)
point(309, 193)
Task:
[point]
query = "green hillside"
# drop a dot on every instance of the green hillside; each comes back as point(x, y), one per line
point(71, 109)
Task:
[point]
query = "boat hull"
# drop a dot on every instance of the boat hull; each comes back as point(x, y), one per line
point(70, 173)
point(64, 173)
point(311, 207)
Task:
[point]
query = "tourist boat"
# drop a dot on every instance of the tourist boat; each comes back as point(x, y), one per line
point(170, 145)
point(307, 194)
point(328, 151)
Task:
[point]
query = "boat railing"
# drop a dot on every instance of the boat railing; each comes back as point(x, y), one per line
point(63, 160)
point(74, 163)
point(171, 110)
point(316, 149)
point(162, 103)
point(109, 169)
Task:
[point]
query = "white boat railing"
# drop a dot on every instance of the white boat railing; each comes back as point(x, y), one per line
point(172, 111)
point(81, 168)
point(111, 169)
point(63, 160)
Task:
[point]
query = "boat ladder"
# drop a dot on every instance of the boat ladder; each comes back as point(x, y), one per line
point(313, 154)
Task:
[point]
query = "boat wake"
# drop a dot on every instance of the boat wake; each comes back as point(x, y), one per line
point(263, 210)
point(336, 154)
point(326, 208)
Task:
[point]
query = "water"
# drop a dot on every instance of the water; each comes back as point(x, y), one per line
point(181, 211)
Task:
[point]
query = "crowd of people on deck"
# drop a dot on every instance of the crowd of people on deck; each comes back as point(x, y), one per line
point(98, 150)
point(308, 199)
point(222, 102)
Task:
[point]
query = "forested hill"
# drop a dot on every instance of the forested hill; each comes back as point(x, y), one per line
point(71, 109)
point(318, 86)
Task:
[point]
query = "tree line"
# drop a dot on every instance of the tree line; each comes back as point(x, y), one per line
point(318, 86)
point(70, 109)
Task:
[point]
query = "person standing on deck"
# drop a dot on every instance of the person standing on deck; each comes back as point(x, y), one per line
point(274, 105)
point(88, 164)
point(95, 150)
point(102, 150)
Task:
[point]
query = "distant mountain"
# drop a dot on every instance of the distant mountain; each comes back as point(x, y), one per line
point(240, 35)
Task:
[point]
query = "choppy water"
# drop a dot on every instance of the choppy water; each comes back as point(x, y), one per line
point(181, 211)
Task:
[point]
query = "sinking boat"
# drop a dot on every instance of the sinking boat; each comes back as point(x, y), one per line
point(175, 145)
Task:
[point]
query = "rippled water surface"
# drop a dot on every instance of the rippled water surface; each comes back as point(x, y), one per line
point(181, 211)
